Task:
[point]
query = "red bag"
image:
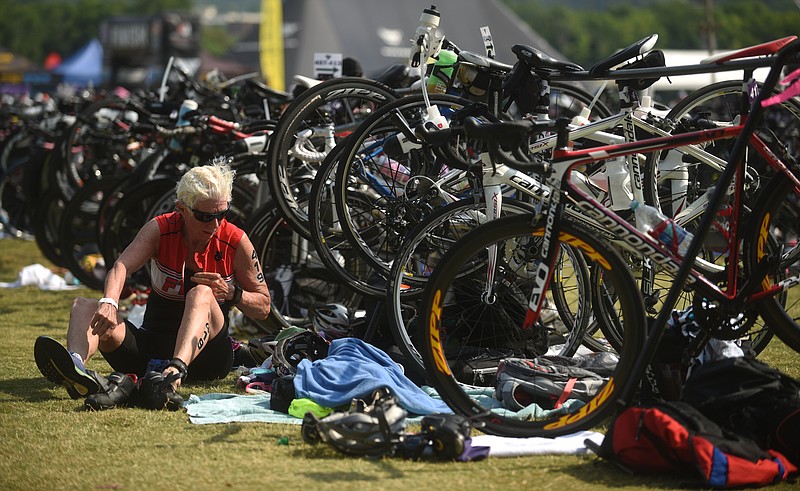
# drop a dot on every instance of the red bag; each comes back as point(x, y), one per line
point(674, 436)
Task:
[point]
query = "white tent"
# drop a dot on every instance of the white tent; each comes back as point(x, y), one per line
point(688, 83)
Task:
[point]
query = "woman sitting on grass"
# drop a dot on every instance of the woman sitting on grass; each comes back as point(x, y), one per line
point(200, 266)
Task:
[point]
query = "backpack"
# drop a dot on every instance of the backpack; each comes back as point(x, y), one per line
point(550, 381)
point(675, 437)
point(749, 397)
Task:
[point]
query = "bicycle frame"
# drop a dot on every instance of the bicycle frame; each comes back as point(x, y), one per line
point(566, 160)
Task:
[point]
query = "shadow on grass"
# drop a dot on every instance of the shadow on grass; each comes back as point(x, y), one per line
point(608, 475)
point(385, 465)
point(36, 389)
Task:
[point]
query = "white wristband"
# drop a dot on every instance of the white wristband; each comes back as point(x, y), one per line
point(110, 301)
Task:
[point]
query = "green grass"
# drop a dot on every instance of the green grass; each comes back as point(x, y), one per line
point(48, 442)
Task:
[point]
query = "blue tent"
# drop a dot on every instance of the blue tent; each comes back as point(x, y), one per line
point(84, 67)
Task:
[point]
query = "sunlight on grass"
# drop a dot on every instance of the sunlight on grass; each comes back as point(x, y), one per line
point(50, 443)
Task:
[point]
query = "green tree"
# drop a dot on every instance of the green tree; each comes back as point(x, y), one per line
point(586, 35)
point(34, 28)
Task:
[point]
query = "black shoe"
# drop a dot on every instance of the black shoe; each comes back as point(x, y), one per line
point(118, 390)
point(156, 392)
point(61, 367)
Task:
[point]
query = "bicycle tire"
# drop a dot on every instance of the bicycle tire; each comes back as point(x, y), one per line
point(430, 240)
point(333, 249)
point(128, 215)
point(296, 280)
point(775, 221)
point(447, 293)
point(78, 232)
point(46, 219)
point(675, 190)
point(396, 180)
point(97, 144)
point(377, 239)
point(567, 100)
point(719, 102)
point(290, 178)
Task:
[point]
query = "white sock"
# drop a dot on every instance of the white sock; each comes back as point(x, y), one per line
point(79, 356)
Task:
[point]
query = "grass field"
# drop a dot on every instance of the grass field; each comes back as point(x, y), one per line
point(49, 442)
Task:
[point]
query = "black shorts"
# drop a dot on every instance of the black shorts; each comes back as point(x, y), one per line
point(141, 345)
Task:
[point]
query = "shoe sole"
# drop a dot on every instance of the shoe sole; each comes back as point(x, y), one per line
point(57, 365)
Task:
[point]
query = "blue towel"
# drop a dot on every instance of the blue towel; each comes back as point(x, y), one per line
point(354, 369)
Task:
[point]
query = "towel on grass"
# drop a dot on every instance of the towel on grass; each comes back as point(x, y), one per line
point(41, 276)
point(234, 408)
point(572, 444)
point(354, 369)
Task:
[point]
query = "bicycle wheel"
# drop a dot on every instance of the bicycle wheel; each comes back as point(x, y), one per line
point(78, 232)
point(46, 220)
point(567, 101)
point(678, 182)
point(307, 130)
point(398, 176)
point(775, 241)
point(458, 311)
point(99, 142)
point(334, 251)
point(296, 278)
point(128, 215)
point(567, 309)
point(675, 179)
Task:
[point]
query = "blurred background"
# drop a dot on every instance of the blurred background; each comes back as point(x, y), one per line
point(49, 43)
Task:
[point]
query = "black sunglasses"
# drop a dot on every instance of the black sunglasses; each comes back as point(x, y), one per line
point(205, 217)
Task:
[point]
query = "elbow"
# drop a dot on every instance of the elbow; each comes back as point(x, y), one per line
point(264, 309)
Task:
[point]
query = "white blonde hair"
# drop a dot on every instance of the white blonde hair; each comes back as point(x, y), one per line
point(212, 181)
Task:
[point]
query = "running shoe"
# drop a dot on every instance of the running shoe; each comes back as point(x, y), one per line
point(61, 367)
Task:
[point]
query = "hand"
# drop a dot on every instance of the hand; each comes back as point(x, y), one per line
point(104, 320)
point(221, 289)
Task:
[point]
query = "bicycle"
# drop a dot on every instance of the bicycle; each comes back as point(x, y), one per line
point(411, 266)
point(471, 275)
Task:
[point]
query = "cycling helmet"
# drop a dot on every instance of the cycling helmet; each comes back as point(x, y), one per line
point(332, 321)
point(372, 429)
point(294, 344)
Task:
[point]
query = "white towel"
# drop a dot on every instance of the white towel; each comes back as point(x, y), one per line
point(500, 446)
point(39, 275)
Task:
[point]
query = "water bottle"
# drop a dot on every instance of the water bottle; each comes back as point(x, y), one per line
point(582, 118)
point(675, 173)
point(426, 36)
point(442, 73)
point(661, 227)
point(616, 181)
point(434, 117)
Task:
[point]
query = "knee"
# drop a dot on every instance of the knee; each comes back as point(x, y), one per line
point(200, 294)
point(82, 305)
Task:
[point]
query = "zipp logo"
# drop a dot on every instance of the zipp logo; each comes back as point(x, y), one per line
point(587, 409)
point(433, 331)
point(353, 92)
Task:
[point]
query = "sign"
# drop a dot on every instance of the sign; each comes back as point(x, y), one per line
point(327, 65)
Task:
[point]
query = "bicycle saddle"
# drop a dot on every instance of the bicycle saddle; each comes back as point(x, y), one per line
point(636, 49)
point(482, 61)
point(264, 90)
point(763, 49)
point(396, 76)
point(540, 61)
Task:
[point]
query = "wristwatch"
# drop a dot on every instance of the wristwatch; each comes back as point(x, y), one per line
point(237, 294)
